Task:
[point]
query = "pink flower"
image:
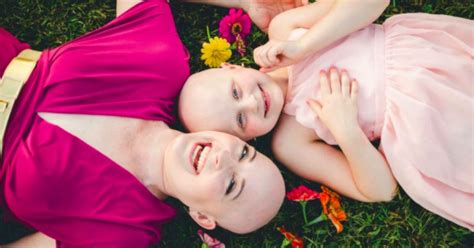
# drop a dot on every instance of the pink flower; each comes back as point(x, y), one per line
point(210, 241)
point(234, 25)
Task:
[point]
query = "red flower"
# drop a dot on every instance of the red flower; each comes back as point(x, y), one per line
point(302, 193)
point(235, 25)
point(296, 242)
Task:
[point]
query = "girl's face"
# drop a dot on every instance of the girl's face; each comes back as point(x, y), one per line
point(240, 101)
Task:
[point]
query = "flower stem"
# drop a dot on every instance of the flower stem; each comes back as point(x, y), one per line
point(285, 243)
point(208, 33)
point(303, 204)
point(317, 220)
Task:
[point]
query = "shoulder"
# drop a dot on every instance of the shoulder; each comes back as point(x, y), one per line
point(289, 132)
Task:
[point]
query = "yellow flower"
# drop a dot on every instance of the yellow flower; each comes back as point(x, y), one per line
point(215, 52)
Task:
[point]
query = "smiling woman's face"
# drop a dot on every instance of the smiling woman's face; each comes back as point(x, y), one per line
point(220, 176)
point(240, 101)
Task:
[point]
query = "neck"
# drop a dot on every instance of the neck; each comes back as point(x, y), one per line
point(280, 76)
point(150, 145)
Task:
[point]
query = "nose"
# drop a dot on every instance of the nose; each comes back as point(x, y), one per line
point(250, 103)
point(222, 159)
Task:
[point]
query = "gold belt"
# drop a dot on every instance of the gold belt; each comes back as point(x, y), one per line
point(15, 76)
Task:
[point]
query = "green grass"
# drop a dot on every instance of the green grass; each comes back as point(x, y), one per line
point(399, 223)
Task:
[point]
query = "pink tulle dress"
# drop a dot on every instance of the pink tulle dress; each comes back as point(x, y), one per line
point(416, 95)
point(135, 66)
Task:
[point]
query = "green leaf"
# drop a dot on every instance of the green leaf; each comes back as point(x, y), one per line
point(322, 217)
point(285, 243)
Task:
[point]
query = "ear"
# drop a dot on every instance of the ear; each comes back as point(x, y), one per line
point(203, 220)
point(226, 65)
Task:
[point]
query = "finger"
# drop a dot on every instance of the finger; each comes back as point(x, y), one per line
point(256, 57)
point(264, 55)
point(315, 106)
point(324, 82)
point(258, 54)
point(273, 53)
point(345, 84)
point(354, 89)
point(267, 69)
point(335, 81)
point(271, 68)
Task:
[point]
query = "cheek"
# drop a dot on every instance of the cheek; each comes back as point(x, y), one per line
point(207, 187)
point(257, 126)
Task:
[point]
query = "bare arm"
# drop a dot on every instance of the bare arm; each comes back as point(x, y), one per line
point(344, 18)
point(297, 148)
point(301, 17)
point(327, 21)
point(38, 240)
point(260, 11)
point(337, 109)
point(359, 171)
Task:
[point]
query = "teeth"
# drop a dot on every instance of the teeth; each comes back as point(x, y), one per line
point(195, 156)
point(202, 158)
point(196, 151)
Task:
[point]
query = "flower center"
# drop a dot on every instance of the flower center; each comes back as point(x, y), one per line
point(236, 28)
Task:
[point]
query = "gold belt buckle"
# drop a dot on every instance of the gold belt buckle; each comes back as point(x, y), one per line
point(3, 105)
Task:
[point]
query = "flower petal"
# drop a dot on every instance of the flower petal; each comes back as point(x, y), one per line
point(336, 223)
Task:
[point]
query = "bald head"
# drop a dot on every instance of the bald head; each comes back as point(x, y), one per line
point(240, 101)
point(260, 204)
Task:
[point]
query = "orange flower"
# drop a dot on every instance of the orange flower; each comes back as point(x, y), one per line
point(296, 242)
point(332, 208)
point(302, 193)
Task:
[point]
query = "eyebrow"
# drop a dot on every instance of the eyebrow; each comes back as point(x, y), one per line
point(240, 191)
point(254, 155)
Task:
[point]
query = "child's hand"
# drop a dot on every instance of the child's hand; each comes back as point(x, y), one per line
point(277, 54)
point(338, 107)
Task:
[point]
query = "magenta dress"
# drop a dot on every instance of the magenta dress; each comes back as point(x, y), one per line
point(135, 66)
point(416, 95)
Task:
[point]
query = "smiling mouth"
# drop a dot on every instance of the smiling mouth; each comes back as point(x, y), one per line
point(199, 156)
point(266, 100)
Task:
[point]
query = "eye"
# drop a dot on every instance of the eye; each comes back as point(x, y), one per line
point(244, 153)
point(231, 185)
point(240, 120)
point(235, 92)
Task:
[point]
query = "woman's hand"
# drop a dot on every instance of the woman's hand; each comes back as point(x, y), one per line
point(262, 11)
point(338, 107)
point(277, 54)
